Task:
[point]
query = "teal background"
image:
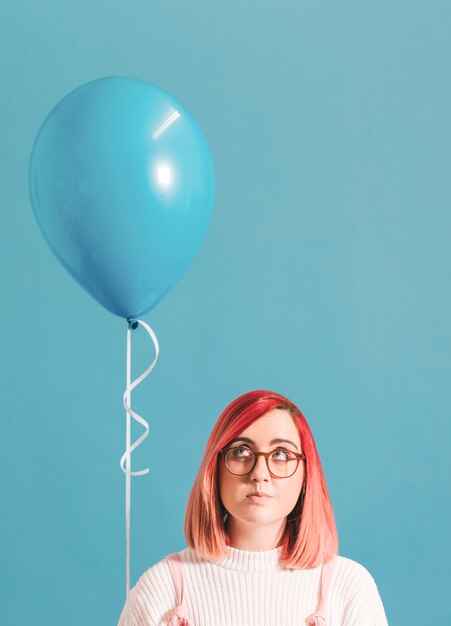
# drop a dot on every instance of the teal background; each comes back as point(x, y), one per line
point(324, 276)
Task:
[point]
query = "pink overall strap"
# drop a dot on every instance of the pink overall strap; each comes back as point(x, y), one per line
point(180, 615)
point(319, 617)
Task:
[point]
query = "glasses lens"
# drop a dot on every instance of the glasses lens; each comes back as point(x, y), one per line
point(282, 463)
point(240, 460)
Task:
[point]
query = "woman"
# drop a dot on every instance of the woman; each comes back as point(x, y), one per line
point(261, 534)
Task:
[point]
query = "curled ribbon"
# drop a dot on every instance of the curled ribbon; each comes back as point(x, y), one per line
point(127, 396)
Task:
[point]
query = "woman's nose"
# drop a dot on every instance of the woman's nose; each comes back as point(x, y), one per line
point(260, 470)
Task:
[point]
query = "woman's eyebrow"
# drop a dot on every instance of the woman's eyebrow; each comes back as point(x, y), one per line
point(270, 443)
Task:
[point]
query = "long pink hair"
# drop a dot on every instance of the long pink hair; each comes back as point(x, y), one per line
point(310, 537)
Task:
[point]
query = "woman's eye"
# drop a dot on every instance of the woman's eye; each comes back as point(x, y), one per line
point(240, 452)
point(280, 455)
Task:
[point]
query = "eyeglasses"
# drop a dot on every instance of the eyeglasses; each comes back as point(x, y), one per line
point(281, 463)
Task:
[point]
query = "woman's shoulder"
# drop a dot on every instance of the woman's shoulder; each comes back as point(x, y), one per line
point(153, 595)
point(159, 576)
point(344, 563)
point(156, 573)
point(357, 588)
point(351, 576)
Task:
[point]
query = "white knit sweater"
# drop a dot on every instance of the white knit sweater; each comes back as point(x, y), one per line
point(251, 589)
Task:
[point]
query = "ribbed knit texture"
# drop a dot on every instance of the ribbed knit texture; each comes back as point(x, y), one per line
point(251, 589)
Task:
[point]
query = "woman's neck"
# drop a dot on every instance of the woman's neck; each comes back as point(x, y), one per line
point(254, 537)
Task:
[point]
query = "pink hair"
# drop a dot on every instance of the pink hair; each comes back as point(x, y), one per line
point(310, 537)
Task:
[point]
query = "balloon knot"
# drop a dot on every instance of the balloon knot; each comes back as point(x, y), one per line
point(132, 324)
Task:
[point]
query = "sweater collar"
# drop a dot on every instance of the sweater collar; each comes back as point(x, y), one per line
point(251, 561)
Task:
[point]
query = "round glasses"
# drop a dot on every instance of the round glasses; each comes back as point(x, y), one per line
point(281, 463)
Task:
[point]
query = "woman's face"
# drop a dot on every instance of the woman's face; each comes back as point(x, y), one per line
point(282, 493)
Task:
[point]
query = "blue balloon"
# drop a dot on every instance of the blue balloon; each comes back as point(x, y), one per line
point(122, 186)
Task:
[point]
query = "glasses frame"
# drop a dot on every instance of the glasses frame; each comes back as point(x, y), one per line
point(299, 457)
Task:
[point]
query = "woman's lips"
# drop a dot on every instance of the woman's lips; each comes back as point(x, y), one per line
point(259, 499)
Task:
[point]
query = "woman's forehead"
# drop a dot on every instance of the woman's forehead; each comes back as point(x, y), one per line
point(276, 424)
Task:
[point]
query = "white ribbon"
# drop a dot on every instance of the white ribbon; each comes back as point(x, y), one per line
point(129, 448)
